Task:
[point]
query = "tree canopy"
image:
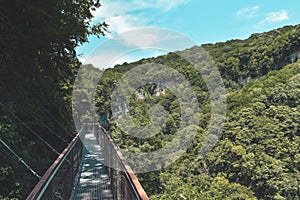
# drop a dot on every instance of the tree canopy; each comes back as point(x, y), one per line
point(257, 156)
point(38, 64)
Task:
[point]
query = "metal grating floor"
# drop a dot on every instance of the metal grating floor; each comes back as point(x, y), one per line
point(93, 182)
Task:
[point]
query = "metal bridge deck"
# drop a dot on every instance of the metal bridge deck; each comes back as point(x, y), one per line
point(93, 182)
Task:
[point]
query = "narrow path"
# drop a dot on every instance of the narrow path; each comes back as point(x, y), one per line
point(93, 182)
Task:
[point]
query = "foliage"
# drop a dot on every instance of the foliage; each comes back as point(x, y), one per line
point(38, 65)
point(257, 156)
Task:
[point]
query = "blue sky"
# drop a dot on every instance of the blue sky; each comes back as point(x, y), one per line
point(203, 21)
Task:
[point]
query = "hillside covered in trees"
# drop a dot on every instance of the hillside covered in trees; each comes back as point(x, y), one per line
point(258, 154)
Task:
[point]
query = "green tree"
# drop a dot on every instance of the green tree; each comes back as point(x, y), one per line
point(38, 66)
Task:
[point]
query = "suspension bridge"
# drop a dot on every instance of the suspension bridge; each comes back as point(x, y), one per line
point(90, 167)
point(80, 172)
point(83, 170)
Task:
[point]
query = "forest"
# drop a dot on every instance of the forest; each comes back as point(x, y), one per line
point(38, 65)
point(256, 157)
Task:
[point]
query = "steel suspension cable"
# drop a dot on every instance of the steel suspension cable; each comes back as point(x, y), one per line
point(59, 124)
point(32, 131)
point(49, 129)
point(21, 160)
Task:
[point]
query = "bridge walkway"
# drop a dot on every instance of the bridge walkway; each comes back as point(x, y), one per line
point(93, 182)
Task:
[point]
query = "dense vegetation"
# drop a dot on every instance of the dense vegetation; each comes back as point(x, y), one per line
point(38, 64)
point(257, 156)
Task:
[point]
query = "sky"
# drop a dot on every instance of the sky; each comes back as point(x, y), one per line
point(202, 21)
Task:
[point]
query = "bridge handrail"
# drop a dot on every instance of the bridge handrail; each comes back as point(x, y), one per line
point(49, 184)
point(128, 171)
point(42, 185)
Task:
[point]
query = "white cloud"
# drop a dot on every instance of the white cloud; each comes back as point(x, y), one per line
point(136, 44)
point(271, 17)
point(276, 17)
point(168, 4)
point(122, 23)
point(129, 15)
point(121, 7)
point(118, 14)
point(248, 12)
point(141, 39)
point(147, 37)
